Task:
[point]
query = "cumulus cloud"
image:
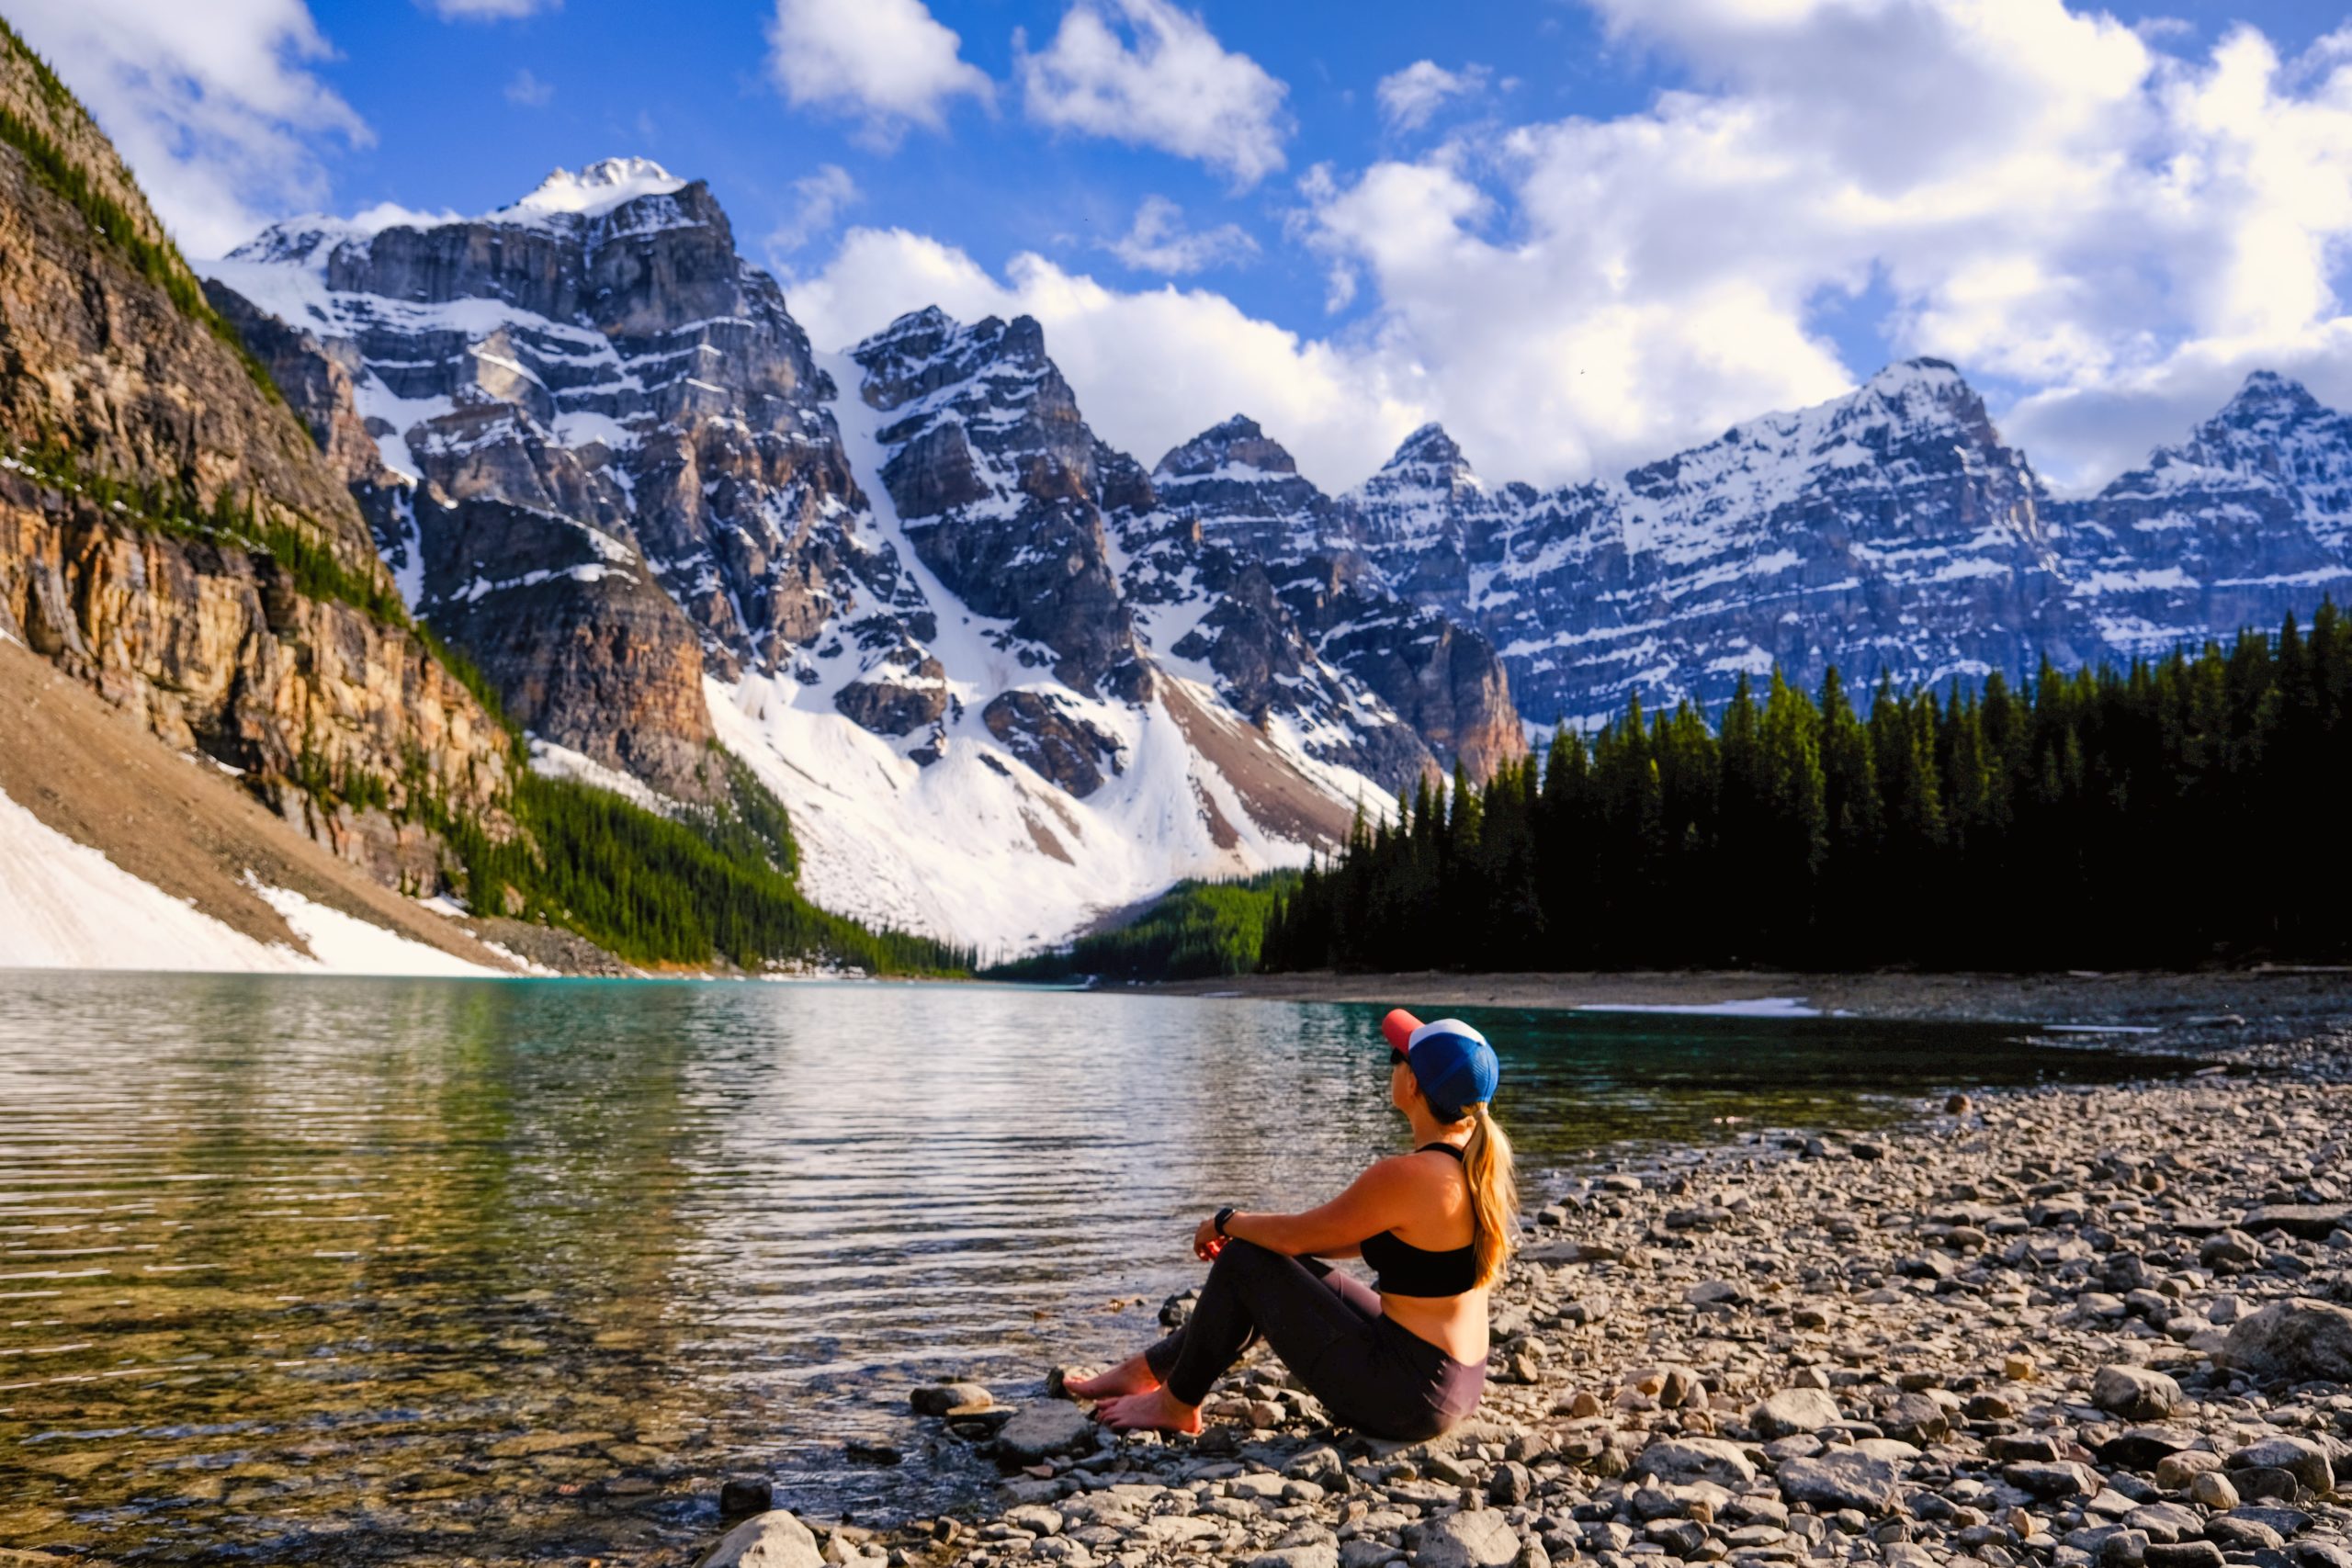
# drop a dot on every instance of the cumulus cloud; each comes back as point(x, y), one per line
point(1151, 368)
point(527, 90)
point(887, 63)
point(1160, 241)
point(2108, 233)
point(1411, 97)
point(1151, 75)
point(217, 107)
point(821, 196)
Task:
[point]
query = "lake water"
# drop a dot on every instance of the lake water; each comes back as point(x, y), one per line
point(361, 1271)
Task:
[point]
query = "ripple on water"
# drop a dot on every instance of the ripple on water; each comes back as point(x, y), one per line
point(366, 1271)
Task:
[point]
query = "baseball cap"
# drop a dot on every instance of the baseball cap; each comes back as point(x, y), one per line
point(1452, 1062)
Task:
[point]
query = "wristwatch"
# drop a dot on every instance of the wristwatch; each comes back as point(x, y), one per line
point(1222, 1216)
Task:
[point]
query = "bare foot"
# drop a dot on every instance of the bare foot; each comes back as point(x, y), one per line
point(1133, 1375)
point(1157, 1411)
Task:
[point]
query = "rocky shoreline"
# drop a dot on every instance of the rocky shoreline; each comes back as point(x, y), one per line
point(2059, 1327)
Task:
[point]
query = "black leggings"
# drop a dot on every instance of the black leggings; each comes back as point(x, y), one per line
point(1370, 1372)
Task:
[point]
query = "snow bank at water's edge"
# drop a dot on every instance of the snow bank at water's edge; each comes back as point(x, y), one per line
point(65, 906)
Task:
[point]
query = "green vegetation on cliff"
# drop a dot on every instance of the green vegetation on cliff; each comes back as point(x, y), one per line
point(2167, 814)
point(159, 262)
point(1194, 930)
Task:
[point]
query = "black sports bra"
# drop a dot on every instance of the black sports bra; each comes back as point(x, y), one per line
point(1409, 1271)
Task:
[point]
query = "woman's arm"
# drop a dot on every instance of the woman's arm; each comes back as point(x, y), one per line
point(1373, 1202)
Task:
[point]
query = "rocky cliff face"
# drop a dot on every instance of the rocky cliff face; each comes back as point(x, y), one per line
point(1891, 530)
point(146, 466)
point(949, 626)
point(2248, 519)
point(1243, 491)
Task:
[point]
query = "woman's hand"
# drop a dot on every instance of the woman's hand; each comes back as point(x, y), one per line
point(1207, 1243)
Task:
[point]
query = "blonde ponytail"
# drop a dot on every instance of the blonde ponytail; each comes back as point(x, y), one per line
point(1494, 1194)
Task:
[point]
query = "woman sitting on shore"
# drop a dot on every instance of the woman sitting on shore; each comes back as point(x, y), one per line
point(1405, 1361)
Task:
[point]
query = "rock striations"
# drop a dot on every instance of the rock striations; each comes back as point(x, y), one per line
point(167, 526)
point(1013, 677)
point(1889, 531)
point(1001, 682)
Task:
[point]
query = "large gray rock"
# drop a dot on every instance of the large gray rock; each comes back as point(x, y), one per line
point(1843, 1478)
point(1474, 1538)
point(2293, 1341)
point(2136, 1393)
point(2312, 1222)
point(1792, 1410)
point(2299, 1457)
point(773, 1540)
point(1041, 1431)
point(1696, 1459)
point(1320, 1554)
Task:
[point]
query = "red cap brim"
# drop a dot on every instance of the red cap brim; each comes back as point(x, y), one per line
point(1399, 1026)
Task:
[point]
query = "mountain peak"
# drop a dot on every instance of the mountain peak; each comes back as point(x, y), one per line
point(2266, 392)
point(1429, 446)
point(1237, 442)
point(598, 187)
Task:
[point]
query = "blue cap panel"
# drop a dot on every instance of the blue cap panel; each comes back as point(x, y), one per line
point(1454, 1066)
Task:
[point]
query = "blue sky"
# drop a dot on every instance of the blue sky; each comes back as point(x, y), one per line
point(1604, 229)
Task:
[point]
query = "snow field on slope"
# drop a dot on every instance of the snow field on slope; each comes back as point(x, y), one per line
point(960, 850)
point(68, 906)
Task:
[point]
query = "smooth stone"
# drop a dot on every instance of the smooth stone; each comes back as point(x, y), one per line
point(2174, 1473)
point(2293, 1341)
point(2299, 1457)
point(2185, 1555)
point(2136, 1393)
point(2307, 1222)
point(940, 1399)
point(1041, 1431)
point(2145, 1447)
point(1792, 1410)
point(2062, 1478)
point(1474, 1538)
point(745, 1495)
point(773, 1540)
point(1842, 1478)
point(1696, 1459)
point(2213, 1490)
point(1317, 1556)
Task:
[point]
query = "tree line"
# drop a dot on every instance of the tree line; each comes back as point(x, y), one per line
point(1195, 930)
point(2165, 814)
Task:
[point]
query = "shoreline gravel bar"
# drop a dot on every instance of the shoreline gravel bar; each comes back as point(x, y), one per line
point(2055, 1327)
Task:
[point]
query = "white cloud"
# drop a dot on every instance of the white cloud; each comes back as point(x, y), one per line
point(822, 197)
point(488, 10)
point(1151, 368)
point(885, 63)
point(1163, 81)
point(2111, 233)
point(216, 107)
point(527, 90)
point(1409, 97)
point(1159, 242)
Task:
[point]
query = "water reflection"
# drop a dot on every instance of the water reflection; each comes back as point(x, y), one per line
point(422, 1271)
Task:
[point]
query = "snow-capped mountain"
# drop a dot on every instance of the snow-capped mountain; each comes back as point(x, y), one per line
point(1242, 490)
point(1891, 530)
point(2249, 518)
point(1001, 687)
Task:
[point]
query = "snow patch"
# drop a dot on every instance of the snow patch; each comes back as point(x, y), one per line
point(345, 945)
